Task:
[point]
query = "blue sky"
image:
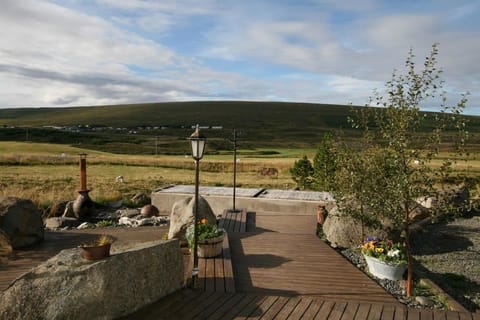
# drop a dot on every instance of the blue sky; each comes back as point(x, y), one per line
point(96, 52)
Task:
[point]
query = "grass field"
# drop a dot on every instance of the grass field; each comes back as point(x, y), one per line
point(47, 173)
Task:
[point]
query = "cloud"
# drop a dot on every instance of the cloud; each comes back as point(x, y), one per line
point(56, 53)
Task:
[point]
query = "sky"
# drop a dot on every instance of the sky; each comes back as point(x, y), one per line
point(99, 52)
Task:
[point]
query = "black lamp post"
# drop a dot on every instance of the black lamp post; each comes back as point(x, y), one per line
point(198, 142)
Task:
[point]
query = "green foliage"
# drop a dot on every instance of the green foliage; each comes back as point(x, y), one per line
point(394, 128)
point(302, 173)
point(324, 165)
point(360, 178)
point(104, 224)
point(205, 231)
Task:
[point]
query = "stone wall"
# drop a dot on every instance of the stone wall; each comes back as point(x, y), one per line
point(165, 201)
point(69, 287)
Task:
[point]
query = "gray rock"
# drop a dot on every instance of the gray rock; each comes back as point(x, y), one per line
point(424, 301)
point(69, 287)
point(183, 215)
point(61, 222)
point(343, 231)
point(21, 221)
point(129, 213)
point(85, 225)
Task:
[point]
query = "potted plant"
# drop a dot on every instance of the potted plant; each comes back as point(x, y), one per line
point(97, 249)
point(210, 239)
point(385, 259)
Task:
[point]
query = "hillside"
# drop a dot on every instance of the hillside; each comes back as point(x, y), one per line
point(161, 127)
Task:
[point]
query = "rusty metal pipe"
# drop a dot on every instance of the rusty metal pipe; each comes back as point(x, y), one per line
point(83, 172)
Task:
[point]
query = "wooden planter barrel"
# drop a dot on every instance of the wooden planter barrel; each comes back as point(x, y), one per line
point(210, 248)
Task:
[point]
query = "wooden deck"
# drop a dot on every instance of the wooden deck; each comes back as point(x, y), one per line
point(278, 269)
point(283, 256)
point(283, 271)
point(188, 304)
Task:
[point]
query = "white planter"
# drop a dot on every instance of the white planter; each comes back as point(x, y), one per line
point(385, 270)
point(209, 248)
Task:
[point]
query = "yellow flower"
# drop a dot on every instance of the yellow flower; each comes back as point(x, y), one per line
point(203, 221)
point(379, 250)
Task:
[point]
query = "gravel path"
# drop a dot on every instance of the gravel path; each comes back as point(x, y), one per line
point(451, 254)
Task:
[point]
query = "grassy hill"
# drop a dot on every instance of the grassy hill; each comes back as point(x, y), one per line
point(137, 128)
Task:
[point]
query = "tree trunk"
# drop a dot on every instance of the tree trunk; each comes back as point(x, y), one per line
point(409, 253)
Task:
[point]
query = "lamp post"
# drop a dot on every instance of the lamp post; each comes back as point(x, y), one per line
point(234, 166)
point(198, 142)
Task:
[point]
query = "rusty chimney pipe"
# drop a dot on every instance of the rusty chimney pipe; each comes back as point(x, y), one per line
point(83, 172)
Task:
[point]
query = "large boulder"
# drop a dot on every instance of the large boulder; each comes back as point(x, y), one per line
point(21, 221)
point(343, 231)
point(183, 214)
point(69, 287)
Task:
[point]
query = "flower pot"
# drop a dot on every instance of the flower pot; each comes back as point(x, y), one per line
point(210, 248)
point(384, 270)
point(96, 252)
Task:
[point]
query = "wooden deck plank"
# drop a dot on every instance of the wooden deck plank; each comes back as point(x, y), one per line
point(413, 314)
point(464, 316)
point(275, 308)
point(263, 307)
point(239, 308)
point(203, 302)
point(388, 312)
point(256, 308)
point(400, 313)
point(375, 312)
point(299, 310)
point(363, 311)
point(227, 266)
point(350, 311)
point(202, 275)
point(439, 315)
point(313, 309)
point(288, 308)
point(209, 274)
point(337, 311)
point(426, 314)
point(219, 277)
point(243, 222)
point(206, 313)
point(225, 310)
point(325, 310)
